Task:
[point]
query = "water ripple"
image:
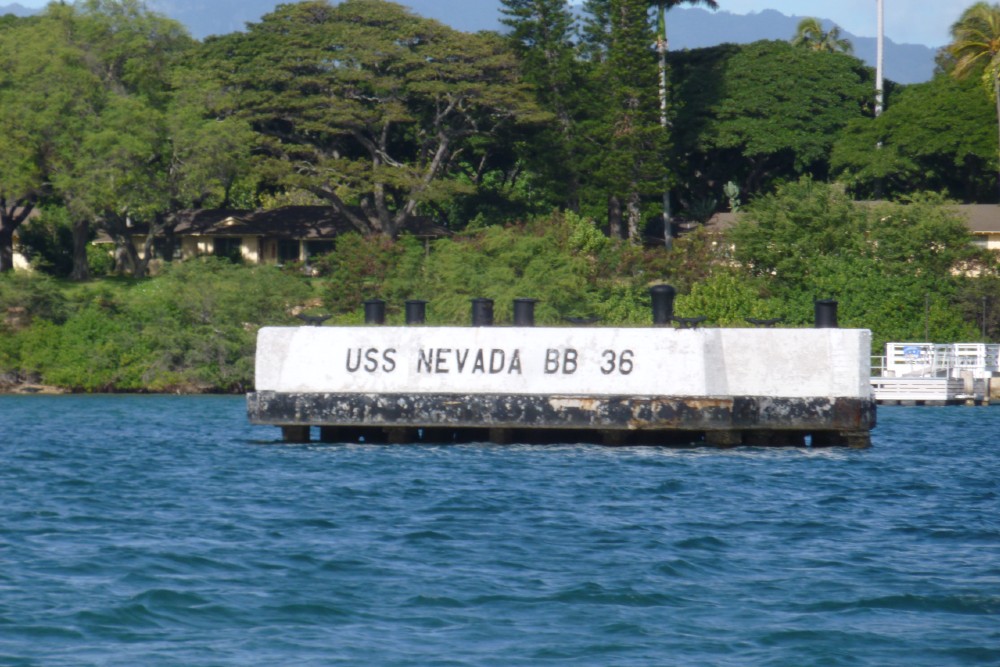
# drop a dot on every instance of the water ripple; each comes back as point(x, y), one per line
point(167, 531)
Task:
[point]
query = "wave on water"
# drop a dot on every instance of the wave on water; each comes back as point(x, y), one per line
point(204, 541)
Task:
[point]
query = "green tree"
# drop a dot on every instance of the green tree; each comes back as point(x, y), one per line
point(543, 36)
point(761, 113)
point(116, 176)
point(975, 48)
point(369, 107)
point(130, 51)
point(726, 299)
point(882, 263)
point(935, 136)
point(635, 166)
point(46, 90)
point(662, 47)
point(810, 35)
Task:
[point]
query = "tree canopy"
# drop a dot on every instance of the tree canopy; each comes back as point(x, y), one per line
point(810, 35)
point(765, 111)
point(369, 107)
point(935, 136)
point(111, 115)
point(976, 49)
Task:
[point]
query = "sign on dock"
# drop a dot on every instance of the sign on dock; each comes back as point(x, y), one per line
point(616, 385)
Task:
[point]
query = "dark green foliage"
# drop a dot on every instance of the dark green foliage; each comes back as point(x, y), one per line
point(26, 298)
point(363, 267)
point(634, 166)
point(47, 242)
point(979, 302)
point(937, 136)
point(763, 113)
point(882, 263)
point(191, 329)
point(543, 35)
point(371, 108)
point(563, 260)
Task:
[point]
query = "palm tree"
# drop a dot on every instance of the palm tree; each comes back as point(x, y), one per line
point(810, 35)
point(662, 46)
point(976, 49)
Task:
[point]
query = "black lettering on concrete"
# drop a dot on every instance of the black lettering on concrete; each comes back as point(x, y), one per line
point(625, 364)
point(569, 361)
point(480, 364)
point(551, 361)
point(609, 366)
point(371, 362)
point(515, 363)
point(389, 362)
point(441, 363)
point(353, 368)
point(497, 358)
point(424, 362)
point(622, 363)
point(461, 359)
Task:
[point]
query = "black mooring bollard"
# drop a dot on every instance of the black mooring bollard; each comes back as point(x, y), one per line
point(482, 312)
point(663, 304)
point(374, 311)
point(524, 312)
point(826, 313)
point(416, 311)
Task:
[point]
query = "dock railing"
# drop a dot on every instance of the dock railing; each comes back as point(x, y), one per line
point(936, 360)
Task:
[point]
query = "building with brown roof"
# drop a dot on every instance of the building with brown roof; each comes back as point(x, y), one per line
point(277, 236)
point(984, 223)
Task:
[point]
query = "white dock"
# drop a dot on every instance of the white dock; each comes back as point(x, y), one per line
point(723, 387)
point(936, 374)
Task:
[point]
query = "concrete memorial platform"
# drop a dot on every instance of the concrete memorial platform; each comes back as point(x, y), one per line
point(652, 385)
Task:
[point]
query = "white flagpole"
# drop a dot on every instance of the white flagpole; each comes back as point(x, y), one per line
point(878, 60)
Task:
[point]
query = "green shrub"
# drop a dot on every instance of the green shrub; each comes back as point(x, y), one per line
point(727, 300)
point(27, 297)
point(883, 264)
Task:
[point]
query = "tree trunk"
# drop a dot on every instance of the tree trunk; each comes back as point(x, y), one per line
point(126, 256)
point(10, 219)
point(668, 221)
point(6, 248)
point(662, 46)
point(634, 215)
point(81, 235)
point(614, 217)
point(138, 265)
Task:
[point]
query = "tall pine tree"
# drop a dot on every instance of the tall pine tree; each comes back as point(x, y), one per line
point(662, 46)
point(543, 35)
point(635, 166)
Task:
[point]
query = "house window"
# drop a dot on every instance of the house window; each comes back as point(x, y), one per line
point(288, 251)
point(315, 248)
point(163, 248)
point(229, 248)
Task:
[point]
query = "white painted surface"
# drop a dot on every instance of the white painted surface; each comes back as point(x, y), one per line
point(931, 360)
point(794, 363)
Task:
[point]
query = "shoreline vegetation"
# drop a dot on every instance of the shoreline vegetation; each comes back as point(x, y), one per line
point(559, 160)
point(902, 270)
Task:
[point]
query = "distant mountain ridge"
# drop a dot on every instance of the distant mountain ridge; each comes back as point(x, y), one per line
point(692, 28)
point(688, 28)
point(16, 10)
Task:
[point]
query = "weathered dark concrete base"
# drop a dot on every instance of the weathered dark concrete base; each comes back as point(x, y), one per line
point(611, 420)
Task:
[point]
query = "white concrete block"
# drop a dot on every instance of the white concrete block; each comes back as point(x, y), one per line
point(792, 363)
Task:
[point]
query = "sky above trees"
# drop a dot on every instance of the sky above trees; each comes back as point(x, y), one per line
point(924, 22)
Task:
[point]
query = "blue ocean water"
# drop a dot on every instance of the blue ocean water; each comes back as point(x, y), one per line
point(157, 530)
